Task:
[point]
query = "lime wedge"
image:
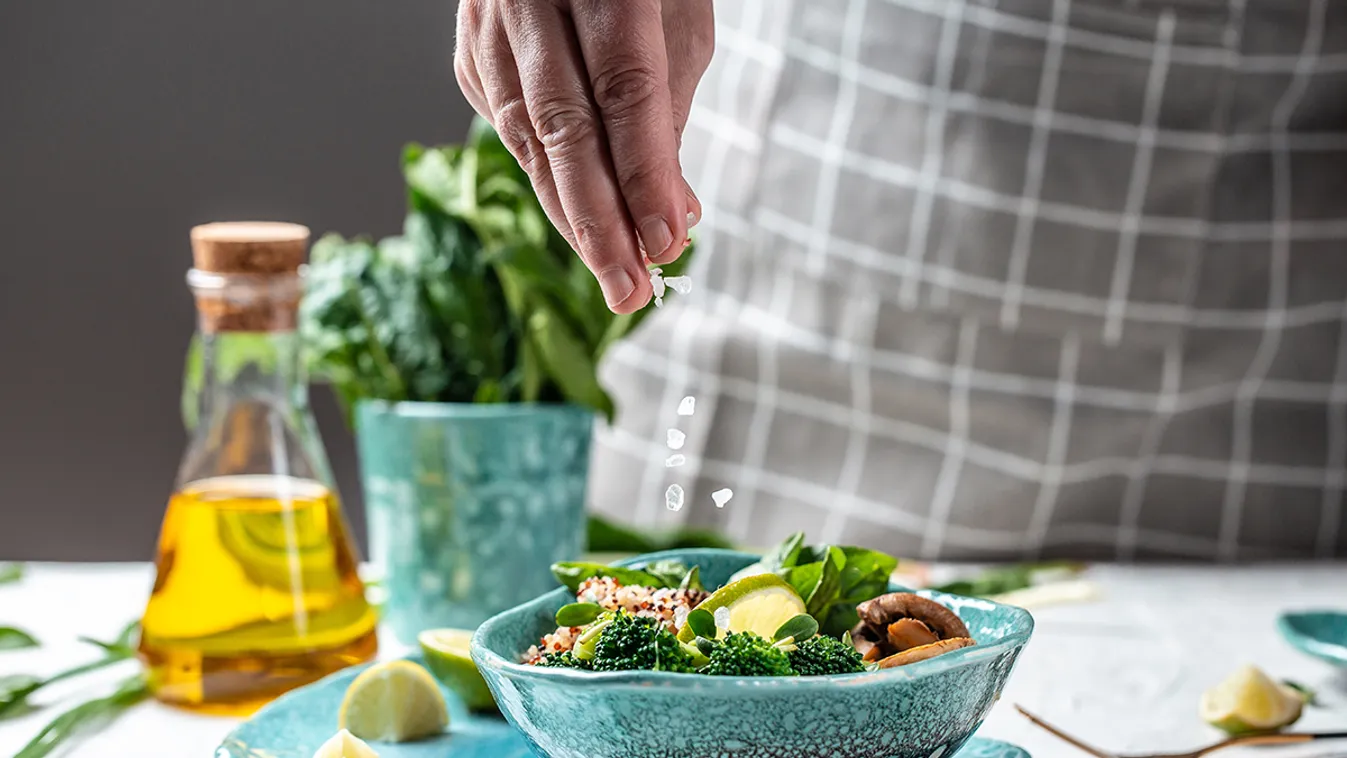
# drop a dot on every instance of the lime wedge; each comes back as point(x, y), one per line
point(345, 745)
point(758, 604)
point(395, 701)
point(1249, 703)
point(449, 659)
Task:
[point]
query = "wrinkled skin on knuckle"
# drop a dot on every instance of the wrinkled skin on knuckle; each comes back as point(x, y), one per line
point(643, 173)
point(563, 126)
point(626, 87)
point(516, 132)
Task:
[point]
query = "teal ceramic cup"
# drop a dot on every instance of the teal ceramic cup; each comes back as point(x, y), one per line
point(468, 505)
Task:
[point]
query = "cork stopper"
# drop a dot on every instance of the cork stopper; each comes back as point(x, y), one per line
point(246, 277)
point(252, 247)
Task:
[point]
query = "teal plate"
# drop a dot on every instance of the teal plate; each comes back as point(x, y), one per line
point(296, 724)
point(1321, 634)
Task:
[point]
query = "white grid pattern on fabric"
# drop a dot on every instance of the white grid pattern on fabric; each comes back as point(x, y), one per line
point(1037, 450)
point(1232, 510)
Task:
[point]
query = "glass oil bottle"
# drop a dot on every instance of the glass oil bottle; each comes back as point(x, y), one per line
point(257, 589)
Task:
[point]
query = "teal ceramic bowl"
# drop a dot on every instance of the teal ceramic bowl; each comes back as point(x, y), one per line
point(1321, 634)
point(924, 710)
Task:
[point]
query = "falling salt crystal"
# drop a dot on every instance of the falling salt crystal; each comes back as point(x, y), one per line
point(687, 406)
point(677, 459)
point(722, 496)
point(676, 439)
point(722, 616)
point(680, 284)
point(657, 282)
point(680, 616)
point(673, 497)
point(659, 302)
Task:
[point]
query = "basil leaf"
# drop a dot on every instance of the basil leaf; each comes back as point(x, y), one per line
point(13, 638)
point(578, 614)
point(573, 573)
point(703, 623)
point(799, 628)
point(10, 572)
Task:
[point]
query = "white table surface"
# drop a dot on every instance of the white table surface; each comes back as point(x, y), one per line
point(1124, 671)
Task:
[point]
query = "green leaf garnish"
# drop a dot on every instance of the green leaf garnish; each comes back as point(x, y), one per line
point(84, 716)
point(573, 573)
point(14, 638)
point(703, 623)
point(10, 572)
point(798, 628)
point(578, 614)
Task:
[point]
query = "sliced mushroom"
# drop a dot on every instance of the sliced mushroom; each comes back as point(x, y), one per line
point(925, 652)
point(901, 621)
point(886, 609)
point(909, 633)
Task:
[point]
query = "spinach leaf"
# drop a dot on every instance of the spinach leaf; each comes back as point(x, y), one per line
point(572, 574)
point(13, 638)
point(669, 573)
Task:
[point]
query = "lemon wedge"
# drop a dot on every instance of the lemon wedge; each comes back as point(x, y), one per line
point(449, 658)
point(345, 745)
point(758, 604)
point(396, 701)
point(1249, 702)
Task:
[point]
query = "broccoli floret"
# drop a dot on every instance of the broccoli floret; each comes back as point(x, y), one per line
point(634, 642)
point(820, 656)
point(564, 660)
point(747, 654)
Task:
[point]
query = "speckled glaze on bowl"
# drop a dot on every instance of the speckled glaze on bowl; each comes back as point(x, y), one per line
point(925, 710)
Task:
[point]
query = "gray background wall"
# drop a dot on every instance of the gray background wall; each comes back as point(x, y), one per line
point(122, 125)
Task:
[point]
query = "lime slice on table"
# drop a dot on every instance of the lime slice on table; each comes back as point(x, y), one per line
point(1249, 702)
point(448, 657)
point(345, 745)
point(396, 701)
point(758, 604)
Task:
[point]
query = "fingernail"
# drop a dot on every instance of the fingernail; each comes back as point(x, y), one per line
point(616, 284)
point(656, 236)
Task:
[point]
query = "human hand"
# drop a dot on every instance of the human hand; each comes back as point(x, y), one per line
point(591, 97)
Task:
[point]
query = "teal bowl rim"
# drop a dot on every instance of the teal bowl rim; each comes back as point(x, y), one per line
point(485, 657)
point(1315, 646)
point(432, 410)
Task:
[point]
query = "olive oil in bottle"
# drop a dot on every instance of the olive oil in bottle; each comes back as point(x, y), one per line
point(257, 588)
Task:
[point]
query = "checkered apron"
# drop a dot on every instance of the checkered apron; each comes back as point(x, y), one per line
point(1008, 279)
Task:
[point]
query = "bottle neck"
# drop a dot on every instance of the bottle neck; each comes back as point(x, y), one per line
point(263, 367)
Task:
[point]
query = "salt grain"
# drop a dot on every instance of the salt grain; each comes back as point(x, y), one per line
point(722, 617)
point(657, 282)
point(676, 439)
point(722, 496)
point(687, 406)
point(677, 459)
point(681, 616)
point(673, 497)
point(680, 284)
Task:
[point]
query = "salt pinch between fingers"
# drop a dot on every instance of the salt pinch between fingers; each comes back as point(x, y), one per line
point(680, 284)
